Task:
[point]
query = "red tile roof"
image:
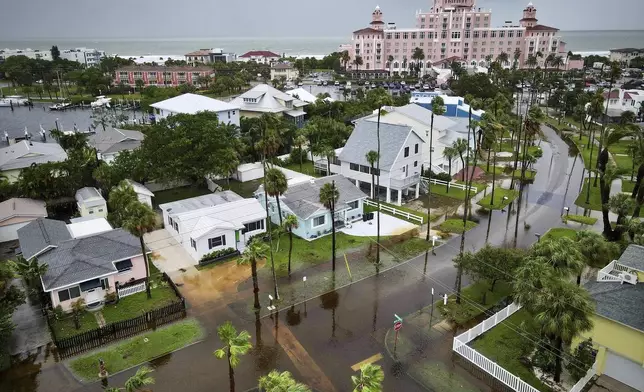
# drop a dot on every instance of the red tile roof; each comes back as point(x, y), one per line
point(627, 96)
point(541, 28)
point(613, 95)
point(259, 53)
point(368, 30)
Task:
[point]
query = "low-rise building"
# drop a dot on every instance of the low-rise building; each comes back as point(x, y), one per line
point(90, 202)
point(625, 55)
point(109, 143)
point(624, 100)
point(284, 70)
point(266, 99)
point(213, 222)
point(259, 56)
point(618, 322)
point(35, 54)
point(302, 199)
point(19, 212)
point(143, 194)
point(194, 103)
point(88, 57)
point(25, 153)
point(161, 76)
point(209, 56)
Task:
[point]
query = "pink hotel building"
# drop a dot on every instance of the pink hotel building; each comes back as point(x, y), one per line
point(454, 30)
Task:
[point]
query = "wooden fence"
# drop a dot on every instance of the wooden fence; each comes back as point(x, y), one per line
point(109, 333)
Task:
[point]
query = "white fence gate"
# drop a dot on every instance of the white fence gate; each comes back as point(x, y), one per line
point(394, 211)
point(450, 185)
point(137, 288)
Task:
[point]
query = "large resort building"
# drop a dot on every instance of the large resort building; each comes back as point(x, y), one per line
point(454, 30)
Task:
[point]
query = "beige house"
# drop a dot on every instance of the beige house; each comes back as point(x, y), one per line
point(16, 213)
point(25, 153)
point(91, 203)
point(285, 70)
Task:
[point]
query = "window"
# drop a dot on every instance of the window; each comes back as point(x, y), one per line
point(365, 169)
point(354, 166)
point(170, 221)
point(415, 163)
point(91, 211)
point(67, 294)
point(216, 241)
point(319, 220)
point(123, 265)
point(493, 34)
point(485, 34)
point(416, 149)
point(63, 295)
point(176, 227)
point(456, 34)
point(476, 34)
point(252, 226)
point(421, 35)
point(193, 243)
point(406, 152)
point(510, 34)
point(354, 204)
point(501, 34)
point(100, 210)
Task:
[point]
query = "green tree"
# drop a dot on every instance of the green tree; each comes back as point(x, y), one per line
point(300, 141)
point(141, 219)
point(55, 53)
point(10, 298)
point(345, 58)
point(370, 379)
point(358, 62)
point(255, 251)
point(418, 55)
point(235, 345)
point(276, 185)
point(583, 359)
point(438, 108)
point(139, 380)
point(594, 248)
point(372, 158)
point(492, 264)
point(390, 60)
point(290, 223)
point(30, 270)
point(329, 195)
point(119, 199)
point(280, 382)
point(461, 147)
point(449, 153)
point(562, 254)
point(139, 83)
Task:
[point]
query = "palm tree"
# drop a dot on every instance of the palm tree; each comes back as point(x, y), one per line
point(438, 108)
point(488, 60)
point(381, 101)
point(141, 219)
point(276, 185)
point(449, 153)
point(329, 195)
point(516, 56)
point(372, 158)
point(461, 146)
point(30, 270)
point(531, 61)
point(329, 153)
point(502, 58)
point(255, 251)
point(390, 59)
point(290, 223)
point(235, 345)
point(561, 253)
point(300, 141)
point(358, 62)
point(418, 55)
point(119, 199)
point(345, 58)
point(497, 130)
point(281, 382)
point(136, 382)
point(370, 379)
point(557, 62)
point(595, 250)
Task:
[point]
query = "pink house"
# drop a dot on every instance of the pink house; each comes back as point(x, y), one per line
point(453, 29)
point(161, 76)
point(85, 260)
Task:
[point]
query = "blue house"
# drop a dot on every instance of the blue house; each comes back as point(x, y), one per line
point(302, 199)
point(454, 106)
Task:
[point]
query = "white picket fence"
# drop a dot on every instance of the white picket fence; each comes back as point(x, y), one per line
point(450, 185)
point(460, 345)
point(137, 288)
point(394, 211)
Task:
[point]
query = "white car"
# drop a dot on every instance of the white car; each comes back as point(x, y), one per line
point(403, 83)
point(426, 87)
point(337, 83)
point(348, 85)
point(325, 83)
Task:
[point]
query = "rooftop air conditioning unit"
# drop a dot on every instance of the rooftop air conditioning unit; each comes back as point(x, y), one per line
point(628, 277)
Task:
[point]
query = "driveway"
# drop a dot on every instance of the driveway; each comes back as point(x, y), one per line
point(168, 254)
point(31, 331)
point(389, 225)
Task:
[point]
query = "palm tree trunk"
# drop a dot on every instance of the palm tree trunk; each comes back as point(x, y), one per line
point(604, 190)
point(290, 250)
point(459, 273)
point(558, 354)
point(231, 372)
point(269, 231)
point(333, 235)
point(494, 176)
point(147, 268)
point(591, 139)
point(449, 171)
point(378, 193)
point(516, 158)
point(301, 159)
point(279, 208)
point(373, 182)
point(429, 181)
point(253, 272)
point(464, 167)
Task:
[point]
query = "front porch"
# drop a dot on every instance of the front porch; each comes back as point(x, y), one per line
point(400, 190)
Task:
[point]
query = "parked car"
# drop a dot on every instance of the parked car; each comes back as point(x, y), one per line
point(337, 83)
point(348, 85)
point(300, 84)
point(318, 82)
point(324, 83)
point(426, 87)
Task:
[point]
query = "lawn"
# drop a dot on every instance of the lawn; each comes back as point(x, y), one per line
point(137, 350)
point(137, 304)
point(559, 232)
point(307, 168)
point(455, 193)
point(180, 193)
point(505, 346)
point(624, 162)
point(585, 152)
point(408, 248)
point(472, 304)
point(243, 189)
point(501, 171)
point(401, 208)
point(65, 327)
point(595, 201)
point(499, 201)
point(455, 226)
point(584, 220)
point(628, 186)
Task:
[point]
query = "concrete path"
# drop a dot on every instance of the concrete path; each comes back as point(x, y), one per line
point(31, 331)
point(168, 254)
point(389, 225)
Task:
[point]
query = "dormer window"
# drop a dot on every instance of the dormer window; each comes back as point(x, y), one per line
point(250, 100)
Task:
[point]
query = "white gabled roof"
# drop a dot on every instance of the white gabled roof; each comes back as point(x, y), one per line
point(302, 95)
point(231, 215)
point(193, 103)
point(140, 189)
point(266, 99)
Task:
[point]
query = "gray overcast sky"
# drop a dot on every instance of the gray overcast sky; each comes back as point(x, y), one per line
point(273, 18)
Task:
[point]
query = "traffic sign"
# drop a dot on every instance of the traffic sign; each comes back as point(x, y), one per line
point(397, 326)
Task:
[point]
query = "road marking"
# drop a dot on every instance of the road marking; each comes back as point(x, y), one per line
point(302, 360)
point(371, 359)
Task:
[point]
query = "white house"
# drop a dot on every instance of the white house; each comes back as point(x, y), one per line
point(16, 213)
point(302, 199)
point(401, 159)
point(266, 99)
point(193, 103)
point(259, 56)
point(284, 70)
point(143, 194)
point(623, 100)
point(214, 222)
point(304, 95)
point(109, 143)
point(91, 203)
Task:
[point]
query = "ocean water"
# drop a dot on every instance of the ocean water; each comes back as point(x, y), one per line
point(584, 42)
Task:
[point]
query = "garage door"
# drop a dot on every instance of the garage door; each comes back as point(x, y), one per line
point(624, 370)
point(10, 232)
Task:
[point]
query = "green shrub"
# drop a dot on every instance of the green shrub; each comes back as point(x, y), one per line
point(217, 253)
point(297, 155)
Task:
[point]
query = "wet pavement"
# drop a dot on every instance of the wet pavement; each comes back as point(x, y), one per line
point(318, 340)
point(31, 331)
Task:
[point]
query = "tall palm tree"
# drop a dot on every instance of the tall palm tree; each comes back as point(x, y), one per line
point(358, 62)
point(595, 250)
point(372, 158)
point(328, 152)
point(290, 223)
point(255, 251)
point(449, 153)
point(300, 141)
point(345, 58)
point(562, 254)
point(531, 61)
point(502, 58)
point(280, 382)
point(531, 127)
point(438, 108)
point(390, 59)
point(141, 219)
point(381, 101)
point(461, 147)
point(329, 195)
point(235, 345)
point(497, 130)
point(370, 379)
point(418, 55)
point(516, 56)
point(557, 62)
point(276, 185)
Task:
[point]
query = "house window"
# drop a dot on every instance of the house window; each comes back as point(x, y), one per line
point(123, 266)
point(406, 152)
point(216, 241)
point(415, 163)
point(319, 220)
point(354, 204)
point(252, 226)
point(364, 169)
point(416, 149)
point(170, 221)
point(100, 210)
point(91, 211)
point(70, 293)
point(63, 295)
point(354, 166)
point(176, 227)
point(193, 243)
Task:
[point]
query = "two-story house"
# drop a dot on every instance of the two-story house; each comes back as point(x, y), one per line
point(285, 70)
point(266, 99)
point(401, 160)
point(195, 103)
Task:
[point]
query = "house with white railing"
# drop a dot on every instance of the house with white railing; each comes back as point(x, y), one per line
point(401, 160)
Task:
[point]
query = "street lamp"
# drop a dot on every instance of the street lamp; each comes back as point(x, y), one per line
point(434, 239)
point(567, 210)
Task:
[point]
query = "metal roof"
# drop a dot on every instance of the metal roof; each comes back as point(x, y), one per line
point(195, 203)
point(24, 154)
point(193, 103)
